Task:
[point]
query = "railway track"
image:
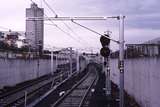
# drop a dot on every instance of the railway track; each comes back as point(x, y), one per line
point(77, 96)
point(16, 97)
point(33, 90)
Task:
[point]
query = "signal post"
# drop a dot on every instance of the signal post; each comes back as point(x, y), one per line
point(105, 52)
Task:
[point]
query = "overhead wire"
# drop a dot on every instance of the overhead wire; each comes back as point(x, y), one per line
point(56, 15)
point(75, 33)
point(62, 30)
point(50, 7)
point(94, 31)
point(53, 24)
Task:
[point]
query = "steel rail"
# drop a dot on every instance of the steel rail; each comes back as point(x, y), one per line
point(29, 94)
point(50, 91)
point(31, 91)
point(22, 88)
point(85, 95)
point(72, 89)
point(68, 92)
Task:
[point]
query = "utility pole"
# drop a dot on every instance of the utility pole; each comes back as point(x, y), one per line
point(52, 72)
point(56, 61)
point(70, 62)
point(121, 59)
point(78, 62)
point(52, 63)
point(38, 63)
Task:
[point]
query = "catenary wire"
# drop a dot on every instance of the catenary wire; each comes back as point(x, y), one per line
point(56, 15)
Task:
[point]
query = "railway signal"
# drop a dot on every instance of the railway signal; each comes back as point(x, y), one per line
point(104, 40)
point(120, 42)
point(105, 51)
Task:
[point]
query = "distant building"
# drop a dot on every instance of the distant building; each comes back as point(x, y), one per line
point(153, 41)
point(149, 48)
point(35, 28)
point(1, 36)
point(11, 38)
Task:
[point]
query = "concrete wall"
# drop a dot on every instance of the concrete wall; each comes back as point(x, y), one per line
point(13, 71)
point(142, 79)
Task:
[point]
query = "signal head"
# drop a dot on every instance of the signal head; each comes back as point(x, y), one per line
point(104, 40)
point(105, 51)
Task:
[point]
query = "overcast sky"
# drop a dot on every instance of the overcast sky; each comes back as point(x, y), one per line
point(142, 21)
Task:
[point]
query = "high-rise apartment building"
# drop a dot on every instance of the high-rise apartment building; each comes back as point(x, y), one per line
point(35, 28)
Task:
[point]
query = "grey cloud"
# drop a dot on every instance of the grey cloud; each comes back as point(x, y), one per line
point(140, 14)
point(144, 21)
point(130, 8)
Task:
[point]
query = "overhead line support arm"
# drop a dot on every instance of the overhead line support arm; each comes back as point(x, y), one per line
point(77, 18)
point(95, 32)
point(70, 18)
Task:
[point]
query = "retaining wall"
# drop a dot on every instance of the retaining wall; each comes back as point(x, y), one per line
point(142, 79)
point(13, 71)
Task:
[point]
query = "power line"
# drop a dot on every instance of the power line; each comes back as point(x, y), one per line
point(75, 33)
point(94, 31)
point(53, 24)
point(78, 40)
point(86, 28)
point(56, 15)
point(62, 21)
point(50, 8)
point(64, 32)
